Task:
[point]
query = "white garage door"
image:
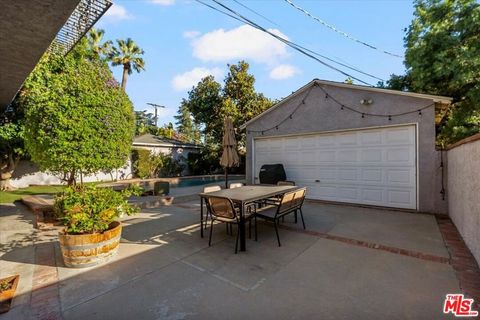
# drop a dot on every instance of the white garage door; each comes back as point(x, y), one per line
point(372, 166)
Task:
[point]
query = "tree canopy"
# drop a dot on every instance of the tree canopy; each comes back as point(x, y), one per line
point(209, 102)
point(78, 120)
point(443, 57)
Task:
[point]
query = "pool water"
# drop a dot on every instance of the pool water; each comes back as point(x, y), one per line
point(201, 181)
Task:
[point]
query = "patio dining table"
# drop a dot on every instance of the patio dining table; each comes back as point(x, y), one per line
point(241, 197)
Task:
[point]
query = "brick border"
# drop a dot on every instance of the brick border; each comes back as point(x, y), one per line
point(463, 262)
point(371, 245)
point(45, 297)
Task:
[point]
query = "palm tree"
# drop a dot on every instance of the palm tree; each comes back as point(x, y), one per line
point(128, 55)
point(94, 40)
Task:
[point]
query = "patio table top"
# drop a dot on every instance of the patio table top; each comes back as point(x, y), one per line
point(250, 193)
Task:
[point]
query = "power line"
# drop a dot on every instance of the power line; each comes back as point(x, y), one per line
point(296, 47)
point(353, 68)
point(339, 31)
point(255, 12)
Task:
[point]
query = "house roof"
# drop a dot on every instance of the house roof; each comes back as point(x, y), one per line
point(27, 29)
point(150, 140)
point(437, 99)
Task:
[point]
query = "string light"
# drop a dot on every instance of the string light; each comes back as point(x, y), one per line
point(342, 107)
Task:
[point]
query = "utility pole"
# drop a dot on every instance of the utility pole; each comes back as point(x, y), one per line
point(156, 113)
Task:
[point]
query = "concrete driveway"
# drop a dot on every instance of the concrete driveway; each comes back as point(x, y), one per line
point(350, 263)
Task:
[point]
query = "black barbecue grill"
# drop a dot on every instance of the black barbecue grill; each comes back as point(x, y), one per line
point(272, 173)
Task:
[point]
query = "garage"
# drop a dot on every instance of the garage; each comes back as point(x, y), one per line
point(354, 144)
point(371, 166)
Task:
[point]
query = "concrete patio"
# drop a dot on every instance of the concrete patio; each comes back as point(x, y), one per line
point(351, 263)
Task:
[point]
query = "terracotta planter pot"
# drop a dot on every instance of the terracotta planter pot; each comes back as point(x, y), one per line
point(87, 250)
point(6, 296)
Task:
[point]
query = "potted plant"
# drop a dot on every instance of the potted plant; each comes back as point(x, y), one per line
point(92, 232)
point(8, 286)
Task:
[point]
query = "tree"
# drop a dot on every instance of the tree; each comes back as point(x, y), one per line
point(144, 123)
point(78, 120)
point(11, 143)
point(443, 57)
point(209, 104)
point(241, 102)
point(187, 129)
point(167, 131)
point(396, 82)
point(128, 54)
point(98, 48)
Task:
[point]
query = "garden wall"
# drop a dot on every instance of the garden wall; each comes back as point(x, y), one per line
point(27, 173)
point(464, 190)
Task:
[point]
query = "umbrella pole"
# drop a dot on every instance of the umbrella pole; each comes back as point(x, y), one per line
point(226, 177)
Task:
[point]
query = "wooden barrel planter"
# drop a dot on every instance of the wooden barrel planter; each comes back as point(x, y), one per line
point(87, 250)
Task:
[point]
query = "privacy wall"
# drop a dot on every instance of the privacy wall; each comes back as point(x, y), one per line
point(464, 190)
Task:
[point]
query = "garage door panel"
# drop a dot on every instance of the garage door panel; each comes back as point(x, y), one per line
point(347, 139)
point(400, 176)
point(400, 136)
point(401, 198)
point(400, 155)
point(372, 175)
point(372, 195)
point(326, 155)
point(347, 155)
point(347, 175)
point(348, 194)
point(373, 137)
point(371, 155)
point(371, 166)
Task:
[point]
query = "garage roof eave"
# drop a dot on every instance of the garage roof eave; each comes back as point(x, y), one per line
point(436, 99)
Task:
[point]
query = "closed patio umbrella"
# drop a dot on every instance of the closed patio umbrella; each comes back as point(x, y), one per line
point(230, 156)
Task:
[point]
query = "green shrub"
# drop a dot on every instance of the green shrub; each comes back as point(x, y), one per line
point(149, 165)
point(145, 164)
point(88, 209)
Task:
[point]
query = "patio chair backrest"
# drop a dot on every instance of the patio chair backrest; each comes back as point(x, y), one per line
point(211, 189)
point(286, 202)
point(235, 185)
point(285, 183)
point(299, 197)
point(221, 207)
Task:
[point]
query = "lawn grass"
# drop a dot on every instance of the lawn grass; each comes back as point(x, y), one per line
point(11, 196)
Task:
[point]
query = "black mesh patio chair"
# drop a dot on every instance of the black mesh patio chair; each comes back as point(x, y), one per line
point(223, 210)
point(290, 202)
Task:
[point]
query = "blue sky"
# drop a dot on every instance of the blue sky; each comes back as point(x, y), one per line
point(183, 41)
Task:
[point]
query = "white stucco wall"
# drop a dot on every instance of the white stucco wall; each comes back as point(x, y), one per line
point(464, 191)
point(27, 173)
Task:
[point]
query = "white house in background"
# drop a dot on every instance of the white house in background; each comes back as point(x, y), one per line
point(28, 173)
point(177, 149)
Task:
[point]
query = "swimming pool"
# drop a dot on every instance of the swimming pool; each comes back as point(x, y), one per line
point(198, 181)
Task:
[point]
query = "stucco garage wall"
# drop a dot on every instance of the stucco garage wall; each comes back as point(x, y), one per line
point(320, 114)
point(464, 191)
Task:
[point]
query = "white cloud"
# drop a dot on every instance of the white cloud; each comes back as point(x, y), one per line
point(117, 12)
point(163, 2)
point(191, 34)
point(190, 78)
point(283, 71)
point(244, 42)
